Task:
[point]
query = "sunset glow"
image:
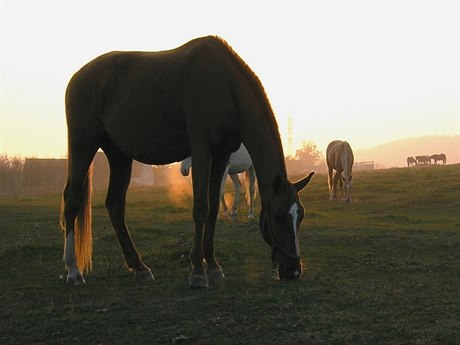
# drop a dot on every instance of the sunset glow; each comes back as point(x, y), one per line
point(368, 72)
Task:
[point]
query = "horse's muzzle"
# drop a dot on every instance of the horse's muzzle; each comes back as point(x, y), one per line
point(293, 276)
point(292, 270)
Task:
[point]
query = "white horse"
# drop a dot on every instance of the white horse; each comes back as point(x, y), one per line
point(339, 157)
point(239, 162)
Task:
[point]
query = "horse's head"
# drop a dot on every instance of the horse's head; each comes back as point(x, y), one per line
point(347, 186)
point(185, 166)
point(280, 220)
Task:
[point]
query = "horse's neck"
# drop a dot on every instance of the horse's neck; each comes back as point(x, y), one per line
point(346, 163)
point(259, 131)
point(264, 147)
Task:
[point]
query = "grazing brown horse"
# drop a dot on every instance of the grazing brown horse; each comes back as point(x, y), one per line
point(198, 100)
point(339, 157)
point(411, 161)
point(438, 158)
point(423, 159)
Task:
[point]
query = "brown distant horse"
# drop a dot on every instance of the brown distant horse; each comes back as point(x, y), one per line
point(411, 161)
point(423, 159)
point(200, 99)
point(438, 158)
point(339, 157)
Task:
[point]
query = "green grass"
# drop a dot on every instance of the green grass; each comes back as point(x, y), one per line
point(382, 270)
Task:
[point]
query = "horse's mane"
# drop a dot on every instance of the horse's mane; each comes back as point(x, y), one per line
point(247, 72)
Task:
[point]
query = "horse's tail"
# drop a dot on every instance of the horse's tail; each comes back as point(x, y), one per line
point(82, 228)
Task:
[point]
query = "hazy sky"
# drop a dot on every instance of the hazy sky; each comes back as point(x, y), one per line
point(365, 71)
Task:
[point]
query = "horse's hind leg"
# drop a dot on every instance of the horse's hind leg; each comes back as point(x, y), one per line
point(74, 198)
point(120, 176)
point(237, 185)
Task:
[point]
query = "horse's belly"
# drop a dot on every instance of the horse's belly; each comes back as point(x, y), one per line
point(161, 151)
point(148, 140)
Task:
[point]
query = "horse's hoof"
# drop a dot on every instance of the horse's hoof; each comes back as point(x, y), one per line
point(198, 280)
point(75, 279)
point(144, 276)
point(215, 275)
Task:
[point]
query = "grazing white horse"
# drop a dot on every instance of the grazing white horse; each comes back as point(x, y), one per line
point(339, 157)
point(239, 162)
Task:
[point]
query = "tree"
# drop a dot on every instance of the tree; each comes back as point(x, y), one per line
point(309, 154)
point(307, 158)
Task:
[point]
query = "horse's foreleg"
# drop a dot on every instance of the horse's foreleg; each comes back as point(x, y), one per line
point(214, 271)
point(237, 185)
point(200, 178)
point(120, 176)
point(342, 194)
point(337, 176)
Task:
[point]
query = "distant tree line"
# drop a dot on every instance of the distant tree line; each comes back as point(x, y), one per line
point(10, 174)
point(34, 176)
point(30, 175)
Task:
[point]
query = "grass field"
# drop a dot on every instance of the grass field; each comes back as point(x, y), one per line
point(382, 270)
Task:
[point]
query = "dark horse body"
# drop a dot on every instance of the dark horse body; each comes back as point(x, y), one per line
point(439, 158)
point(411, 161)
point(199, 99)
point(339, 157)
point(423, 159)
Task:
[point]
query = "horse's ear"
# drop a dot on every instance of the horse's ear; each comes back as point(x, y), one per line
point(299, 185)
point(278, 184)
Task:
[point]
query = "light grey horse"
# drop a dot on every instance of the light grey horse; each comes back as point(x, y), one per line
point(239, 162)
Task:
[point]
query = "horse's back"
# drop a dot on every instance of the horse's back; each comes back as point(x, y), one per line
point(147, 102)
point(336, 151)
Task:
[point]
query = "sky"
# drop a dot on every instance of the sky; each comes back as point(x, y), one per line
point(368, 72)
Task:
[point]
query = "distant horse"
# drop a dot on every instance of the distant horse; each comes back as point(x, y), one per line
point(438, 158)
point(239, 162)
point(411, 161)
point(423, 159)
point(198, 100)
point(339, 157)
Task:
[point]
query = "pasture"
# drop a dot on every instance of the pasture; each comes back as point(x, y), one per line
point(382, 270)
